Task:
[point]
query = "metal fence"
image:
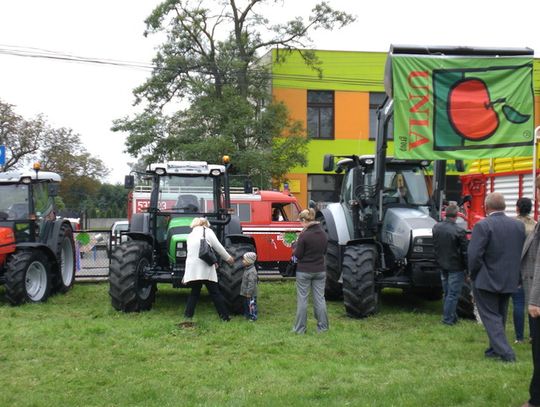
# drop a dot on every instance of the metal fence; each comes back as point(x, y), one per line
point(92, 253)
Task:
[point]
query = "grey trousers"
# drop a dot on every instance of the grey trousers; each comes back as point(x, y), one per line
point(304, 283)
point(493, 308)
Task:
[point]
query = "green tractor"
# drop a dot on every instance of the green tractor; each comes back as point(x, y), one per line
point(37, 250)
point(156, 249)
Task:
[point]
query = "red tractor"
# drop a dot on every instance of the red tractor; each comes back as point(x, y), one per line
point(37, 251)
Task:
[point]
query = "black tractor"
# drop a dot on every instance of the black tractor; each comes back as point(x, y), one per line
point(156, 249)
point(37, 250)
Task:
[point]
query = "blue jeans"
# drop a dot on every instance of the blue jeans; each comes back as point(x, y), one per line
point(452, 282)
point(518, 305)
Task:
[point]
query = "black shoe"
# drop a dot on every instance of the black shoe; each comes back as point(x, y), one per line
point(225, 318)
point(508, 359)
point(490, 353)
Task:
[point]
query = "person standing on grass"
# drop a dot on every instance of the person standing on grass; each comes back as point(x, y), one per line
point(198, 272)
point(530, 276)
point(309, 251)
point(248, 289)
point(494, 261)
point(450, 243)
point(523, 209)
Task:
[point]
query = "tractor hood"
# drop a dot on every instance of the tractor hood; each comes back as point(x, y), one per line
point(402, 225)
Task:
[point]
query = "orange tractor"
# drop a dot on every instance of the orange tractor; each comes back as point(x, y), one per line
point(37, 251)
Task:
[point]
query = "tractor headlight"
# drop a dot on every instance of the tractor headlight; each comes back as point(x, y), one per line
point(418, 249)
point(181, 249)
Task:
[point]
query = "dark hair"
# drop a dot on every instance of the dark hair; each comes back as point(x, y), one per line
point(524, 206)
point(451, 211)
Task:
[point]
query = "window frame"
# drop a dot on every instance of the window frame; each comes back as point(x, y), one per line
point(319, 106)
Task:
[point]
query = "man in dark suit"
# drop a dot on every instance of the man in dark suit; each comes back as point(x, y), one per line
point(530, 275)
point(494, 265)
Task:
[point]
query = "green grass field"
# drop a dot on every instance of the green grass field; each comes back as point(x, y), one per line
point(75, 350)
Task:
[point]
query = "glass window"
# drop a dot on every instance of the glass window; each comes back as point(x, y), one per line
point(320, 114)
point(376, 99)
point(242, 210)
point(14, 201)
point(43, 204)
point(284, 212)
point(324, 187)
point(186, 194)
point(409, 184)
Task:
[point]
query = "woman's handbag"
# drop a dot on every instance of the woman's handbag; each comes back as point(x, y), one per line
point(206, 253)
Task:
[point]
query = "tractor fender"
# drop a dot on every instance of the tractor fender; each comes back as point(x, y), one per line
point(233, 227)
point(336, 223)
point(52, 241)
point(239, 238)
point(143, 237)
point(140, 223)
point(51, 256)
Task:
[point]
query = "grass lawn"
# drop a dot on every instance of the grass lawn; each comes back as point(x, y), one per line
point(75, 350)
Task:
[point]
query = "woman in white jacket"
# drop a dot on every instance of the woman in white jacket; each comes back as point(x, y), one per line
point(198, 272)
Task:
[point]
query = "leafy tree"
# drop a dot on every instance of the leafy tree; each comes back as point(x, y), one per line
point(22, 138)
point(212, 60)
point(65, 154)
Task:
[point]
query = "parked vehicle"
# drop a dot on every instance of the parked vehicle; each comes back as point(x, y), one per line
point(156, 251)
point(269, 217)
point(37, 251)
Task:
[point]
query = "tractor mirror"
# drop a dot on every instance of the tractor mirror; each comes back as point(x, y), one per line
point(129, 182)
point(53, 189)
point(328, 162)
point(460, 166)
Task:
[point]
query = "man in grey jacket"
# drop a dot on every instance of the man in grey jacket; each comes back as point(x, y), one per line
point(494, 263)
point(530, 275)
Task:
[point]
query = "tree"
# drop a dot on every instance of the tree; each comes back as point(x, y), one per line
point(65, 154)
point(22, 138)
point(211, 60)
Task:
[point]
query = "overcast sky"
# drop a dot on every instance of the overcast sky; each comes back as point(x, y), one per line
point(88, 97)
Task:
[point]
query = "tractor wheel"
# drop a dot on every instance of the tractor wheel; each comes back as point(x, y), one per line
point(65, 256)
point(465, 307)
point(230, 277)
point(333, 289)
point(28, 277)
point(359, 292)
point(128, 290)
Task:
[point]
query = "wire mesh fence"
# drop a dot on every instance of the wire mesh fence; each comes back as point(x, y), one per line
point(92, 253)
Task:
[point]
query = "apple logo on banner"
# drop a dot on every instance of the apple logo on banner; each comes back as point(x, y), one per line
point(471, 111)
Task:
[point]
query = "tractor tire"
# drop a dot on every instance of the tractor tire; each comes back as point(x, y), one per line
point(465, 307)
point(230, 277)
point(64, 278)
point(360, 295)
point(333, 289)
point(128, 290)
point(28, 277)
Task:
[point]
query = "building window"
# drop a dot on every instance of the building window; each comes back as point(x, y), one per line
point(376, 99)
point(323, 188)
point(320, 114)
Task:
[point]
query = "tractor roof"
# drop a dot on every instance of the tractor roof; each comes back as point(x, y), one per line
point(186, 168)
point(18, 176)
